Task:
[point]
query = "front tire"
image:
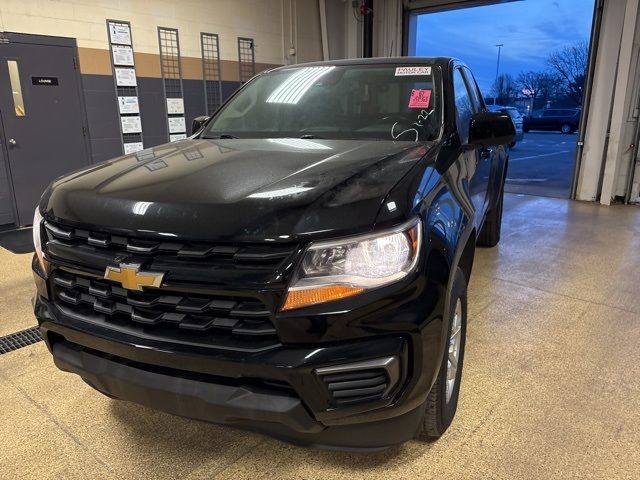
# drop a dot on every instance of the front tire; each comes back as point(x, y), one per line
point(442, 401)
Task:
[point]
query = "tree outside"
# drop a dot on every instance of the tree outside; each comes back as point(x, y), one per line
point(560, 84)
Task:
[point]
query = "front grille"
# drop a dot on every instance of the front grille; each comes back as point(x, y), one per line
point(236, 323)
point(226, 266)
point(246, 280)
point(253, 254)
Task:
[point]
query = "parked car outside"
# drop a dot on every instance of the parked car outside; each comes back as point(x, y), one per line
point(298, 266)
point(517, 118)
point(565, 120)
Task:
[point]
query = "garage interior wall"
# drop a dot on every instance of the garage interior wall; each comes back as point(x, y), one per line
point(275, 25)
point(609, 155)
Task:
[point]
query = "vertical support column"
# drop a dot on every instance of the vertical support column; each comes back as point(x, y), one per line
point(614, 165)
point(171, 70)
point(126, 84)
point(246, 58)
point(211, 68)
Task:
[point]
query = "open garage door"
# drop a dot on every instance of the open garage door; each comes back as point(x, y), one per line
point(530, 58)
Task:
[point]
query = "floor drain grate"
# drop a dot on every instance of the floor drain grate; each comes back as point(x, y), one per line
point(18, 340)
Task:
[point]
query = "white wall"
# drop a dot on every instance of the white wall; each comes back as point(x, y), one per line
point(613, 110)
point(85, 20)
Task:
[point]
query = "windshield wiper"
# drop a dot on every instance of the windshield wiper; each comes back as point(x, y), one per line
point(221, 136)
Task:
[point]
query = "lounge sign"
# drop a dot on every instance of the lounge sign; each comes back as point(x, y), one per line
point(46, 81)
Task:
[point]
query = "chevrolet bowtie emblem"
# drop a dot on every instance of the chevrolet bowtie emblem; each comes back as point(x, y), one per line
point(131, 278)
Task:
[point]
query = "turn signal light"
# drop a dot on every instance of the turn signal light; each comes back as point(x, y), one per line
point(321, 294)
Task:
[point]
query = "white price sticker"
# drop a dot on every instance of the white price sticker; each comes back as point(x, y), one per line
point(402, 71)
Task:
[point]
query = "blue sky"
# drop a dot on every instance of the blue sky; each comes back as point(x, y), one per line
point(529, 30)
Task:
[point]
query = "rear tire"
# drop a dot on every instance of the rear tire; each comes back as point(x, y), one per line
point(442, 401)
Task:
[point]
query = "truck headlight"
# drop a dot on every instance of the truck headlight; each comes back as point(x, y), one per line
point(37, 242)
point(342, 268)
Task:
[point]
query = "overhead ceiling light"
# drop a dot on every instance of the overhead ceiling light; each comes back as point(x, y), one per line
point(294, 87)
point(299, 143)
point(283, 192)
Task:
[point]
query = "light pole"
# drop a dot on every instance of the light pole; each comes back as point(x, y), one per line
point(499, 45)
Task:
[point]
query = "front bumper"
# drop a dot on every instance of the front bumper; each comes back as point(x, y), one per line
point(276, 392)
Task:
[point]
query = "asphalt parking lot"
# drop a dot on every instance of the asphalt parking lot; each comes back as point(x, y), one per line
point(542, 164)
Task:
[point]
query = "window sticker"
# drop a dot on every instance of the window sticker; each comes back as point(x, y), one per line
point(403, 71)
point(419, 98)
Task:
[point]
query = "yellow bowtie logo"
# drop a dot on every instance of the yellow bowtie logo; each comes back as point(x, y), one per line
point(131, 278)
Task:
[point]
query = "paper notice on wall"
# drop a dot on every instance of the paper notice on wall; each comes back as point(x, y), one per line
point(125, 77)
point(120, 34)
point(132, 147)
point(131, 124)
point(402, 71)
point(177, 136)
point(177, 125)
point(128, 105)
point(175, 106)
point(122, 55)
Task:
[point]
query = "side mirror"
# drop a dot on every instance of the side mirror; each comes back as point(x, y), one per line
point(488, 129)
point(198, 123)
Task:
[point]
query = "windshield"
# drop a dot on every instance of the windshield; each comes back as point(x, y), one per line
point(382, 102)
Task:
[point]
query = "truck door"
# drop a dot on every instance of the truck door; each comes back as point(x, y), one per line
point(477, 162)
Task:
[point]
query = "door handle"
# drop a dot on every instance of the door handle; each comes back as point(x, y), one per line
point(12, 142)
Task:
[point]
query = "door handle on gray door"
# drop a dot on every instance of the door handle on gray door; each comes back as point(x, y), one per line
point(12, 142)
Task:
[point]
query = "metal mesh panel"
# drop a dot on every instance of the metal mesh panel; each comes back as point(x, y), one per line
point(246, 58)
point(211, 75)
point(169, 53)
point(124, 91)
point(171, 69)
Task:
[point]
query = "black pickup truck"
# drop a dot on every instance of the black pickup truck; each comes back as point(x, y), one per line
point(298, 266)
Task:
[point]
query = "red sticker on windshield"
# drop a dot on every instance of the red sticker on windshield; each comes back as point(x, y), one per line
point(419, 98)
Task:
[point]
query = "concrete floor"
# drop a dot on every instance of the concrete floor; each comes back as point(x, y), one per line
point(542, 164)
point(551, 383)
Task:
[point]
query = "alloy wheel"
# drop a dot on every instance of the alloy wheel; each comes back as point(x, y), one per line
point(454, 350)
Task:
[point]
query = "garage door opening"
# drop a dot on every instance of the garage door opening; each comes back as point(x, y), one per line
point(530, 59)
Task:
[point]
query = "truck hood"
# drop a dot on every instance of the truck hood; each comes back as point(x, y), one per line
point(241, 190)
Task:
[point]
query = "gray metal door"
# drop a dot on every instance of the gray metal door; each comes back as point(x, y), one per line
point(42, 119)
